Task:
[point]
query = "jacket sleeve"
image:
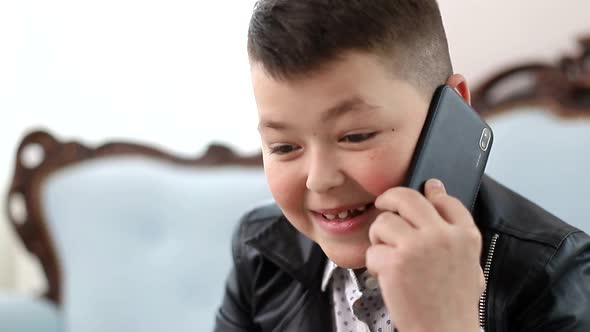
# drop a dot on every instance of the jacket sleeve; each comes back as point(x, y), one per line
point(235, 315)
point(564, 305)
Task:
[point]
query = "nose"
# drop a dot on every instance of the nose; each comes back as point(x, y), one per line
point(324, 171)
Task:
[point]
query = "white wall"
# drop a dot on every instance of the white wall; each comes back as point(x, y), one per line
point(174, 73)
point(487, 35)
point(169, 73)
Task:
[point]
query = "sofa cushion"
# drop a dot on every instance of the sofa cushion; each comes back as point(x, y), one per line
point(545, 158)
point(145, 243)
point(22, 313)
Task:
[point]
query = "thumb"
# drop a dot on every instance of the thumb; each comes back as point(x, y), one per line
point(434, 187)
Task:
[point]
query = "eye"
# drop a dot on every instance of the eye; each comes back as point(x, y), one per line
point(357, 138)
point(282, 149)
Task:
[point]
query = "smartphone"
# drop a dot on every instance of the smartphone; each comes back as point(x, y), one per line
point(453, 147)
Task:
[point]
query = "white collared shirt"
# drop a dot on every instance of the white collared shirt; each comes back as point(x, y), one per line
point(357, 302)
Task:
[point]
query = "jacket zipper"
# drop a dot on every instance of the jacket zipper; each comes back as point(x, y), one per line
point(486, 274)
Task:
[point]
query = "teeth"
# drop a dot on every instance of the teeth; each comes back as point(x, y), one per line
point(345, 214)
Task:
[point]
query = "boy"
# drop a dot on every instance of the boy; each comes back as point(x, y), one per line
point(342, 90)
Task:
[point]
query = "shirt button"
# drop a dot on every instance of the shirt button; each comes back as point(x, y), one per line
point(372, 283)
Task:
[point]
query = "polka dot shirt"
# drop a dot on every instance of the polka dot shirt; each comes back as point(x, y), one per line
point(357, 301)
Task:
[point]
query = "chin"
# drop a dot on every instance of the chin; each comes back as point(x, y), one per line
point(347, 255)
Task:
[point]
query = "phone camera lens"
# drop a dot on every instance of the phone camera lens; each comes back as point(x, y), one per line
point(484, 141)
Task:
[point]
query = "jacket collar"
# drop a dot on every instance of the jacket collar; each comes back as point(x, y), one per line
point(486, 212)
point(290, 250)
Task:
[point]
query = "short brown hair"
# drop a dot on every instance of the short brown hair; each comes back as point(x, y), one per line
point(292, 38)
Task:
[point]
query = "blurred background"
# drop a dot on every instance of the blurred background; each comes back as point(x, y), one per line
point(174, 74)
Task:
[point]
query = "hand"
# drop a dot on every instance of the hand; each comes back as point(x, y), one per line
point(425, 253)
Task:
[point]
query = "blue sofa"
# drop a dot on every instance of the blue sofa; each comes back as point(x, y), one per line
point(130, 238)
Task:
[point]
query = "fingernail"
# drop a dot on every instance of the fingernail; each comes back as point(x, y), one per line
point(436, 184)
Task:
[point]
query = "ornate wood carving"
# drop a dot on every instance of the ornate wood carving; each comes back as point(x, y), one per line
point(563, 86)
point(25, 190)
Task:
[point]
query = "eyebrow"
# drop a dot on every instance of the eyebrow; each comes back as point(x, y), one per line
point(350, 105)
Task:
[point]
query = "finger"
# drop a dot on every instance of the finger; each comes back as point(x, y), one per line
point(390, 228)
point(434, 187)
point(379, 258)
point(409, 204)
point(448, 207)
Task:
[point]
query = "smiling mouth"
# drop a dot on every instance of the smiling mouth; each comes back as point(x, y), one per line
point(345, 215)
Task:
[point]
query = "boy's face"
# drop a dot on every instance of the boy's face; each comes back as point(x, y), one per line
point(332, 143)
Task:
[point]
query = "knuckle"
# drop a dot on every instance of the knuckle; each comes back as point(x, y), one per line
point(380, 200)
point(474, 235)
point(468, 235)
point(407, 195)
point(374, 232)
point(382, 217)
point(389, 197)
point(381, 220)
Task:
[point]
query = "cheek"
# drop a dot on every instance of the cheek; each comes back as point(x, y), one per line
point(288, 189)
point(284, 186)
point(384, 169)
point(379, 180)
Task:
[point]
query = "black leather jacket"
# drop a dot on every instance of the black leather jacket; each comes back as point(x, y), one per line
point(538, 271)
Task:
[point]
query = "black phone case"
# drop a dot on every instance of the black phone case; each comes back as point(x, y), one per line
point(449, 147)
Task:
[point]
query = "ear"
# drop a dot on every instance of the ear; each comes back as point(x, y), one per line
point(459, 83)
